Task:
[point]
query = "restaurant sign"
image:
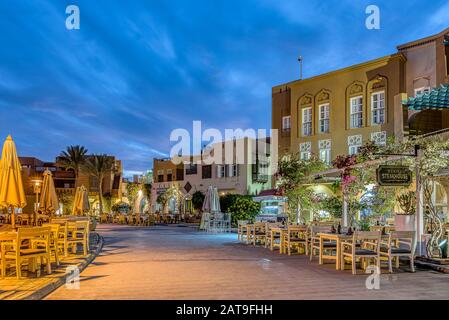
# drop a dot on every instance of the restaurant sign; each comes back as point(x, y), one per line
point(394, 176)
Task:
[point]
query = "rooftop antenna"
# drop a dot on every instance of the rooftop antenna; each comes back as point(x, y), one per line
point(300, 67)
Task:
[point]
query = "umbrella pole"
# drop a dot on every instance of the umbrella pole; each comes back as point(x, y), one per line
point(13, 222)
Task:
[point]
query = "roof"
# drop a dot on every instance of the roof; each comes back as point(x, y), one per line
point(437, 99)
point(366, 64)
point(422, 41)
point(271, 192)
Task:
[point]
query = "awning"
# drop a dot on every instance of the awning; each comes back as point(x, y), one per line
point(437, 99)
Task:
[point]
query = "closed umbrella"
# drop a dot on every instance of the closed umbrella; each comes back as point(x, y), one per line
point(76, 201)
point(207, 207)
point(48, 202)
point(12, 194)
point(84, 201)
point(81, 202)
point(215, 201)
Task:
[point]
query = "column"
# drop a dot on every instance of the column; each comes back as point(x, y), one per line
point(345, 212)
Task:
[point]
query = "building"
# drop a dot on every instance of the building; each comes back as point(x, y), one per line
point(337, 112)
point(66, 182)
point(247, 173)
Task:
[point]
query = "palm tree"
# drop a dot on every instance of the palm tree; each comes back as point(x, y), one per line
point(73, 158)
point(99, 166)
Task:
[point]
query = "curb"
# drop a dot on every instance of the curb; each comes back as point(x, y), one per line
point(432, 266)
point(49, 288)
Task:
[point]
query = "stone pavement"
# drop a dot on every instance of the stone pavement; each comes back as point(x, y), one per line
point(33, 287)
point(180, 263)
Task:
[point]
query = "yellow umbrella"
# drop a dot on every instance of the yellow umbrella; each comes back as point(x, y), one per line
point(81, 201)
point(12, 194)
point(49, 199)
point(76, 201)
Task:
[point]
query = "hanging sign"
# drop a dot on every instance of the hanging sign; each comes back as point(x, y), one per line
point(398, 176)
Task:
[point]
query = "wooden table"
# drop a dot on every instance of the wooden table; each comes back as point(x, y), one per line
point(338, 238)
point(8, 236)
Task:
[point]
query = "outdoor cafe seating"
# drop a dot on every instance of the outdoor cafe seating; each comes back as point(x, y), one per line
point(322, 239)
point(30, 245)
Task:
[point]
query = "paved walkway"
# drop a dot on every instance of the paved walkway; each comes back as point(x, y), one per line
point(181, 263)
point(33, 287)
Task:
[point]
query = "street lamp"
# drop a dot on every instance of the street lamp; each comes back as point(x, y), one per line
point(37, 189)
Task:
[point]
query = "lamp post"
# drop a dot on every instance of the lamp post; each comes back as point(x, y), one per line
point(37, 189)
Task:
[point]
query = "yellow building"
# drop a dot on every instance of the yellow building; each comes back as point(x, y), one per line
point(337, 112)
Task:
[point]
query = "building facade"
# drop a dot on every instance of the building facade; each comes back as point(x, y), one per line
point(336, 113)
point(247, 175)
point(66, 182)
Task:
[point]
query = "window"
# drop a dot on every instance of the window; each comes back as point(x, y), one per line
point(325, 150)
point(169, 177)
point(286, 123)
point(305, 150)
point(356, 112)
point(354, 143)
point(160, 178)
point(191, 169)
point(233, 170)
point(379, 138)
point(206, 172)
point(378, 108)
point(307, 122)
point(324, 118)
point(305, 155)
point(221, 171)
point(421, 91)
point(325, 155)
point(353, 150)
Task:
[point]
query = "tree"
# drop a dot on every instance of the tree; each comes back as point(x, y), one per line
point(197, 200)
point(227, 200)
point(294, 175)
point(147, 187)
point(132, 190)
point(98, 166)
point(244, 208)
point(74, 157)
point(162, 199)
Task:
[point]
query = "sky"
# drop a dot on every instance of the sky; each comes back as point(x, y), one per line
point(136, 70)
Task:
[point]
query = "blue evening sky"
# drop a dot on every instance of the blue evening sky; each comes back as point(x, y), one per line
point(138, 69)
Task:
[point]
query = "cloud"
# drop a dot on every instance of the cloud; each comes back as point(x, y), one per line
point(137, 70)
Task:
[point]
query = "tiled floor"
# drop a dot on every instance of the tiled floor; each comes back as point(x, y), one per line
point(181, 263)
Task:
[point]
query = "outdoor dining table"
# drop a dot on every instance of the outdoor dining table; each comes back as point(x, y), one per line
point(8, 235)
point(337, 238)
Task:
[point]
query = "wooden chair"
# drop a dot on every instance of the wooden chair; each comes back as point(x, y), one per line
point(369, 248)
point(399, 244)
point(241, 230)
point(318, 245)
point(296, 238)
point(38, 247)
point(54, 239)
point(259, 233)
point(269, 239)
point(78, 234)
point(104, 218)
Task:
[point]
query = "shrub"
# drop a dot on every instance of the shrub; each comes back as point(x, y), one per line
point(197, 200)
point(243, 208)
